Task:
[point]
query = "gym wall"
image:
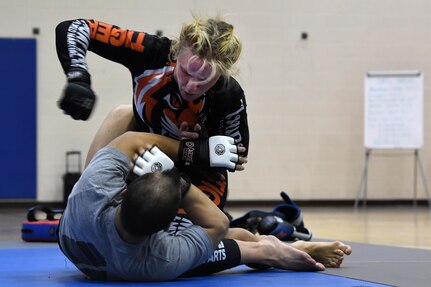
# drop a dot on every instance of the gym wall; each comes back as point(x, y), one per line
point(302, 69)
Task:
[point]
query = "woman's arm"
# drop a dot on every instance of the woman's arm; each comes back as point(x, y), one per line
point(229, 113)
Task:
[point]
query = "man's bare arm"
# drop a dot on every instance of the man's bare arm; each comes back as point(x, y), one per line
point(203, 212)
point(135, 143)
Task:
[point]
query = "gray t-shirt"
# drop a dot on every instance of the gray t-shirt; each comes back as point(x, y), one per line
point(88, 236)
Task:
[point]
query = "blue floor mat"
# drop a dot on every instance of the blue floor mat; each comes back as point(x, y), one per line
point(46, 267)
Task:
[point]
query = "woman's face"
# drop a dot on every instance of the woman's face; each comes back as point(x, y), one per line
point(193, 75)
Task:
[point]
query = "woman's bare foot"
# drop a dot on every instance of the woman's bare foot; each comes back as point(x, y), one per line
point(331, 254)
point(283, 256)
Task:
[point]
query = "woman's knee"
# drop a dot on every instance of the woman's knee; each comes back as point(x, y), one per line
point(121, 111)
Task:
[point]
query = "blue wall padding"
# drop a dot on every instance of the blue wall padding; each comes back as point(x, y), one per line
point(18, 118)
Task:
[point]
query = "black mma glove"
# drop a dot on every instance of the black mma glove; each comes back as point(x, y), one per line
point(216, 151)
point(283, 230)
point(78, 98)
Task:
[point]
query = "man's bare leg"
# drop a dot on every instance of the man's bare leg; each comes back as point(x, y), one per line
point(270, 251)
point(330, 254)
point(117, 122)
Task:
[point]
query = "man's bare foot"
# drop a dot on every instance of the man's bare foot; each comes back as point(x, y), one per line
point(284, 256)
point(331, 254)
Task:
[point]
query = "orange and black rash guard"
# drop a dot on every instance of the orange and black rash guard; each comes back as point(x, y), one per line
point(157, 103)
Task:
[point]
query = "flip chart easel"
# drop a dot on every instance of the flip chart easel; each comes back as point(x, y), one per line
point(393, 120)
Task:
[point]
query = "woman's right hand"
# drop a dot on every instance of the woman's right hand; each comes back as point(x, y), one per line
point(190, 135)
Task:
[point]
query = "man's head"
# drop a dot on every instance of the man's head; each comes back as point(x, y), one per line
point(151, 203)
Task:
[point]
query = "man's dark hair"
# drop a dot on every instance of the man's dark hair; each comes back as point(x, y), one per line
point(151, 202)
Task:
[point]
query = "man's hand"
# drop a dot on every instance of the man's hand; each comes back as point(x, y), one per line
point(78, 99)
point(217, 151)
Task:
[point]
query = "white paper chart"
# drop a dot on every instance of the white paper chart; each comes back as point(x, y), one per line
point(394, 110)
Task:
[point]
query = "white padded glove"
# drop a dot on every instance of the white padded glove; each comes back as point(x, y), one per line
point(217, 151)
point(223, 152)
point(151, 161)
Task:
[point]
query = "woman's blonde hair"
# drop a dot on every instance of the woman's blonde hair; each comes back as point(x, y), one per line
point(212, 40)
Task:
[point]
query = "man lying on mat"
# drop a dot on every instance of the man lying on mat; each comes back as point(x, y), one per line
point(112, 230)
